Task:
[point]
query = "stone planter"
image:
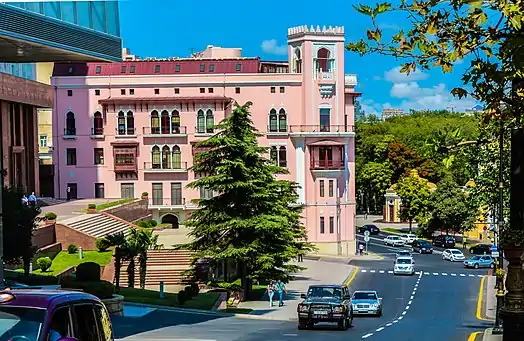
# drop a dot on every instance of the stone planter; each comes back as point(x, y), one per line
point(92, 211)
point(115, 305)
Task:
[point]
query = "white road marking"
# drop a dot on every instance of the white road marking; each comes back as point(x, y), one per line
point(407, 308)
point(453, 275)
point(435, 274)
point(380, 329)
point(372, 271)
point(400, 318)
point(381, 271)
point(462, 275)
point(389, 324)
point(413, 293)
point(410, 301)
point(426, 273)
point(395, 321)
point(471, 275)
point(444, 274)
point(363, 271)
point(411, 298)
point(480, 276)
point(403, 313)
point(390, 272)
point(367, 335)
point(289, 334)
point(417, 273)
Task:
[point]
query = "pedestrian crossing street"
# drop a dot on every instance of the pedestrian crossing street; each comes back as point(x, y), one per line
point(424, 273)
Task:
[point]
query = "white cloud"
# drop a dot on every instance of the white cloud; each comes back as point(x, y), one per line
point(272, 47)
point(395, 76)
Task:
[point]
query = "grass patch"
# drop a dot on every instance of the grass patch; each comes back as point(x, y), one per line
point(107, 205)
point(394, 231)
point(203, 301)
point(236, 310)
point(64, 260)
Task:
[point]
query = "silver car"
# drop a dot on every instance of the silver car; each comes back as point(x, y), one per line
point(366, 303)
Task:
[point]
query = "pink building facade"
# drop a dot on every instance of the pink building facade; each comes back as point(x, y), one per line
point(122, 129)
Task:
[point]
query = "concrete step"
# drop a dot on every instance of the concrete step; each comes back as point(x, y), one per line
point(98, 225)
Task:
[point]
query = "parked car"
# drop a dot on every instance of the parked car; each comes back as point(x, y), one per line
point(325, 303)
point(366, 303)
point(480, 249)
point(453, 255)
point(422, 246)
point(394, 241)
point(480, 262)
point(444, 241)
point(373, 229)
point(408, 238)
point(42, 315)
point(403, 254)
point(404, 266)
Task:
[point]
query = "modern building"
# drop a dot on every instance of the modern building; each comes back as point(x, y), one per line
point(123, 129)
point(388, 113)
point(44, 72)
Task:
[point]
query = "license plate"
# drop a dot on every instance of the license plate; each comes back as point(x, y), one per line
point(320, 312)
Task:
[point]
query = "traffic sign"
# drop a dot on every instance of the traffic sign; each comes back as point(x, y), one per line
point(495, 254)
point(366, 233)
point(494, 248)
point(366, 238)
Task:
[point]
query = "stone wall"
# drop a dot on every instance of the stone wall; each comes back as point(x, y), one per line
point(132, 211)
point(44, 235)
point(66, 235)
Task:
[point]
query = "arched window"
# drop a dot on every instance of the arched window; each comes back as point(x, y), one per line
point(155, 157)
point(175, 122)
point(121, 123)
point(210, 121)
point(201, 122)
point(166, 157)
point(323, 64)
point(282, 159)
point(98, 124)
point(155, 122)
point(177, 157)
point(273, 155)
point(164, 122)
point(130, 121)
point(298, 61)
point(282, 120)
point(273, 120)
point(70, 129)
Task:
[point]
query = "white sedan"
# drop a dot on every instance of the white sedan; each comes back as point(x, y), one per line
point(394, 241)
point(453, 255)
point(408, 238)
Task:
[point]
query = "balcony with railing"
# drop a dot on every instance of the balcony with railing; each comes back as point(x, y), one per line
point(203, 131)
point(125, 160)
point(174, 203)
point(350, 80)
point(165, 167)
point(322, 129)
point(164, 131)
point(327, 156)
point(128, 132)
point(125, 167)
point(97, 133)
point(273, 129)
point(69, 133)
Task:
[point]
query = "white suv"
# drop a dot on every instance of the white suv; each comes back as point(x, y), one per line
point(408, 238)
point(404, 266)
point(394, 241)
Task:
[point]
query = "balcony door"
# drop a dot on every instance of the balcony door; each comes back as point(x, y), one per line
point(325, 156)
point(325, 120)
point(157, 194)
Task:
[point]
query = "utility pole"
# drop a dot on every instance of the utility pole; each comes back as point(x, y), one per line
point(500, 279)
point(339, 242)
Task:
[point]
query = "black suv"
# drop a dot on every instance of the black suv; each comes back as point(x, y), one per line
point(371, 228)
point(325, 303)
point(422, 246)
point(444, 241)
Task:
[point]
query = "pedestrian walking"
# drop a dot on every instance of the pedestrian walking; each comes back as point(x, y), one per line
point(281, 288)
point(68, 193)
point(32, 200)
point(271, 288)
point(464, 242)
point(24, 200)
point(300, 258)
point(361, 249)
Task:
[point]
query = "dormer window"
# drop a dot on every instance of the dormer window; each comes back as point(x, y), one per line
point(124, 69)
point(157, 68)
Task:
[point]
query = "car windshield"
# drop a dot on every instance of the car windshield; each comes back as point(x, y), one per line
point(449, 238)
point(395, 237)
point(424, 244)
point(404, 253)
point(18, 323)
point(456, 252)
point(324, 292)
point(403, 261)
point(364, 296)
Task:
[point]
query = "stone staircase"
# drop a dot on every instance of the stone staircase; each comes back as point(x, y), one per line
point(162, 265)
point(98, 225)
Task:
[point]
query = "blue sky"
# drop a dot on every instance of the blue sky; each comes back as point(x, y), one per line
point(168, 28)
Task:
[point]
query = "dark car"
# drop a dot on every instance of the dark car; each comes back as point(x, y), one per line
point(52, 315)
point(325, 303)
point(480, 249)
point(371, 228)
point(422, 246)
point(444, 241)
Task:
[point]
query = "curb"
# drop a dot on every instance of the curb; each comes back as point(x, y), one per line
point(481, 302)
point(351, 276)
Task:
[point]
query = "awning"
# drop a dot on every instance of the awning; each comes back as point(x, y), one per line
point(326, 143)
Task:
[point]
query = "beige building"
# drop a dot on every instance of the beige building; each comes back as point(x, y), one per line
point(45, 118)
point(388, 113)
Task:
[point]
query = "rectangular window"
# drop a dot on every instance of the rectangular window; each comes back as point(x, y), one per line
point(237, 90)
point(210, 90)
point(321, 188)
point(124, 69)
point(176, 193)
point(157, 68)
point(127, 191)
point(157, 190)
point(71, 156)
point(99, 191)
point(177, 91)
point(331, 188)
point(97, 92)
point(122, 91)
point(205, 193)
point(43, 140)
point(282, 89)
point(325, 120)
point(331, 224)
point(99, 156)
point(98, 69)
point(202, 90)
point(273, 90)
point(70, 71)
point(239, 67)
point(131, 91)
point(211, 67)
point(132, 69)
point(69, 93)
point(202, 68)
point(157, 91)
point(322, 226)
point(177, 68)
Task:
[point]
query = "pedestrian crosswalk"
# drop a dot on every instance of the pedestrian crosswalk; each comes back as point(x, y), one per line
point(424, 273)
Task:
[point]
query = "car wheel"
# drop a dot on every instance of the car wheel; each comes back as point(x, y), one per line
point(302, 324)
point(379, 313)
point(476, 266)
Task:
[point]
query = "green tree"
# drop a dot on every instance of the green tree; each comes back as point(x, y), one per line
point(448, 209)
point(414, 193)
point(253, 218)
point(147, 241)
point(359, 113)
point(374, 179)
point(118, 241)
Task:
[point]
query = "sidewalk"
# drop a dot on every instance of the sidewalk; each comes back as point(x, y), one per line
point(317, 272)
point(377, 220)
point(490, 308)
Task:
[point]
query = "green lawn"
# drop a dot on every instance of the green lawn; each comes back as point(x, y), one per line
point(107, 205)
point(64, 260)
point(201, 301)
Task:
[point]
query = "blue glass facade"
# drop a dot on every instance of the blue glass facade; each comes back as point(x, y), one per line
point(101, 16)
point(24, 70)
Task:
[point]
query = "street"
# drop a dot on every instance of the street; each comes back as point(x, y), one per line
point(440, 302)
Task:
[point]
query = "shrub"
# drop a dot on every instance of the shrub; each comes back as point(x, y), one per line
point(196, 288)
point(32, 279)
point(88, 272)
point(71, 248)
point(142, 224)
point(50, 216)
point(91, 206)
point(102, 244)
point(44, 263)
point(182, 297)
point(153, 223)
point(189, 292)
point(100, 289)
point(145, 194)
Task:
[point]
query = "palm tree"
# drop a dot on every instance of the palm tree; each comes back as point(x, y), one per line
point(147, 241)
point(118, 240)
point(134, 246)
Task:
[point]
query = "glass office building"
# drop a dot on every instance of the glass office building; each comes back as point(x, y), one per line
point(24, 70)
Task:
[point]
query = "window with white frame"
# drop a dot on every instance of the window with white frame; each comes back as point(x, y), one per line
point(205, 121)
point(43, 140)
point(126, 123)
point(277, 122)
point(278, 155)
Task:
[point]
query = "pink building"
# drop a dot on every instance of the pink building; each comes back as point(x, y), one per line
point(126, 128)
